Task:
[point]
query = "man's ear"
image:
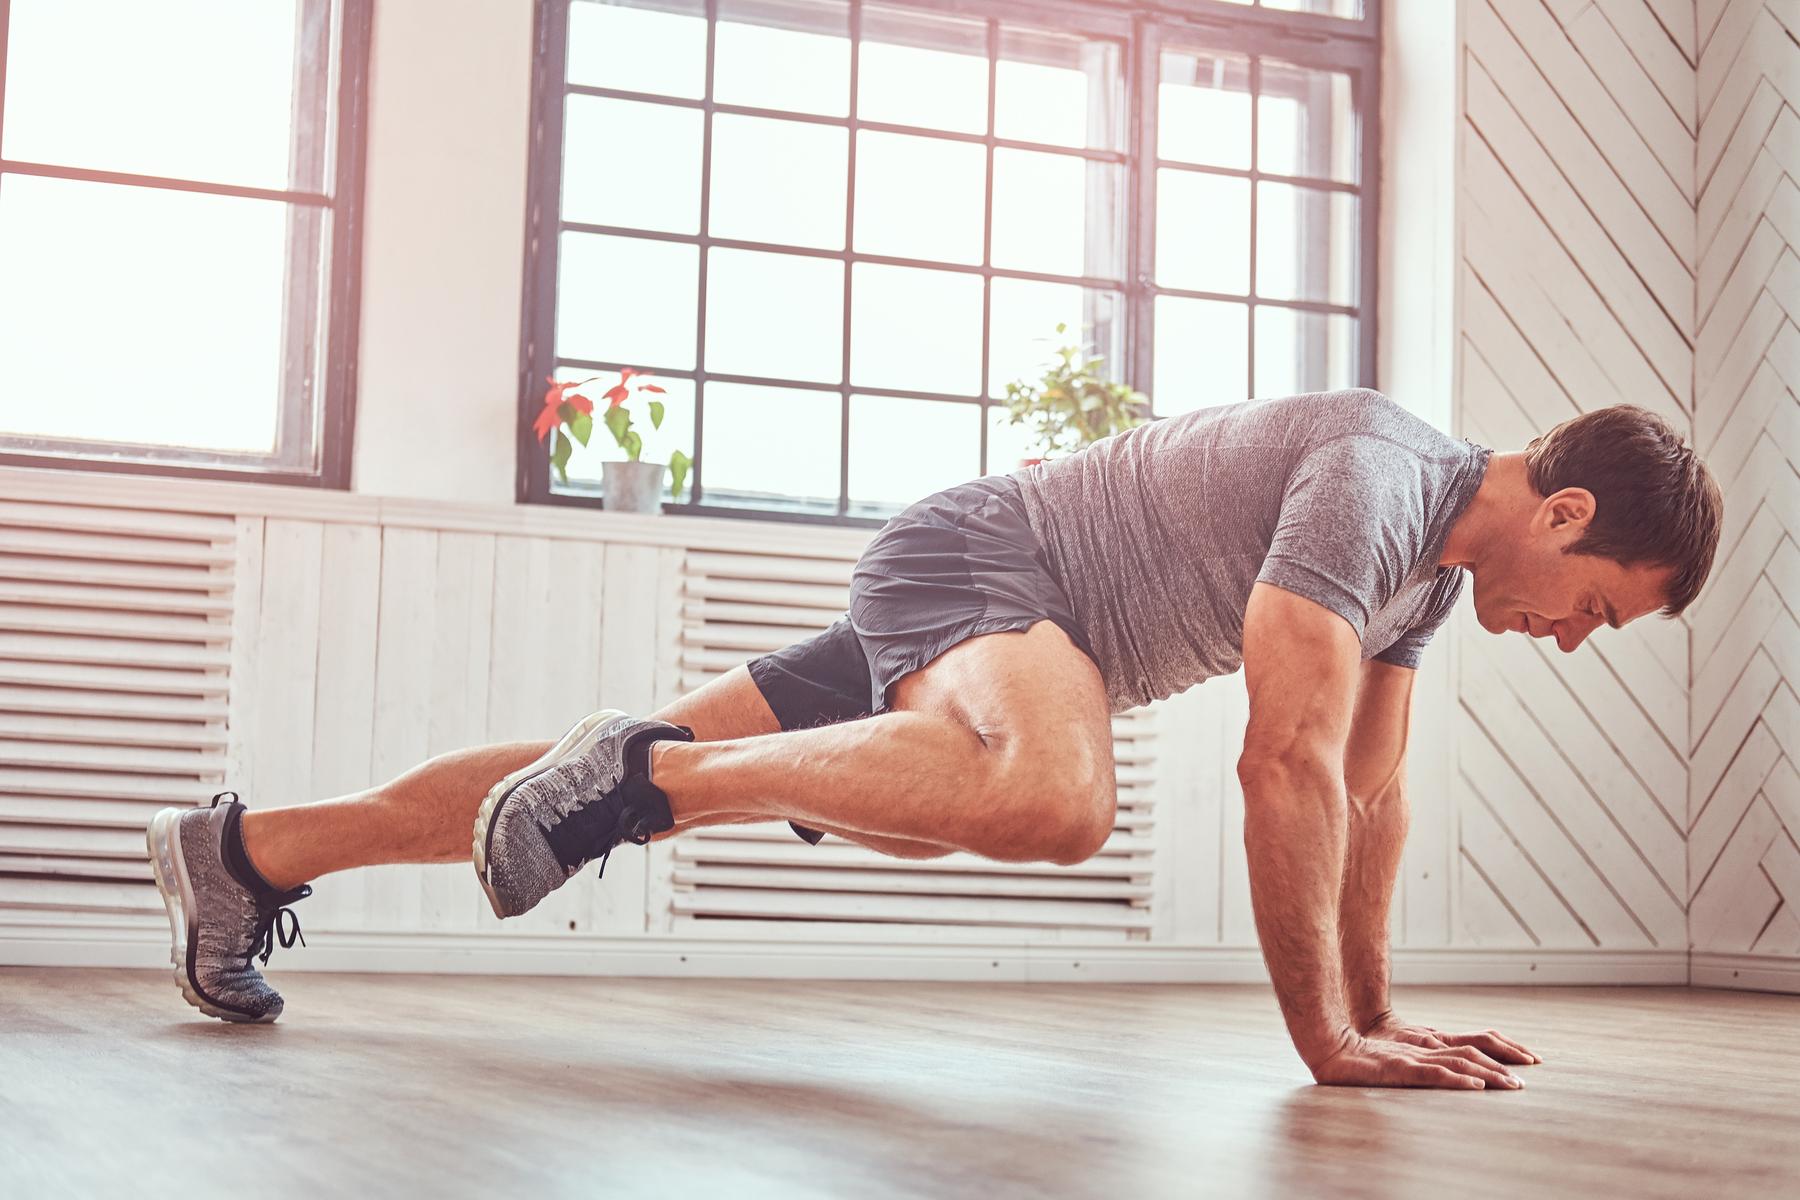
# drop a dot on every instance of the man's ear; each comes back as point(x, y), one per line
point(1566, 513)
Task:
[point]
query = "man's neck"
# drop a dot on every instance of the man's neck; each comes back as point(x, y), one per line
point(1503, 500)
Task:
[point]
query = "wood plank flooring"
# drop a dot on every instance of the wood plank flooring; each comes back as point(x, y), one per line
point(416, 1085)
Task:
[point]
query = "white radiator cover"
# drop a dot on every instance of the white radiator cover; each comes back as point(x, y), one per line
point(737, 605)
point(115, 656)
point(164, 640)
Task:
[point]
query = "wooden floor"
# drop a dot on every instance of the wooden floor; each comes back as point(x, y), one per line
point(414, 1085)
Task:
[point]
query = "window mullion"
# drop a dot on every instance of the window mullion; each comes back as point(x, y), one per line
point(843, 500)
point(697, 481)
point(987, 241)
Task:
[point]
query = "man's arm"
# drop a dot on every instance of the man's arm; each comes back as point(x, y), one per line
point(1375, 783)
point(1302, 664)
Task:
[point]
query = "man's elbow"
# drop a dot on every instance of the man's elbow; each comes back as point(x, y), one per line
point(1291, 771)
point(1375, 798)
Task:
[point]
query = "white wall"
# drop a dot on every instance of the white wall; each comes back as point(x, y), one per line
point(1744, 798)
point(443, 249)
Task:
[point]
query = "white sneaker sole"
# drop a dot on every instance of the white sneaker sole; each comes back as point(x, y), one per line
point(571, 745)
point(163, 840)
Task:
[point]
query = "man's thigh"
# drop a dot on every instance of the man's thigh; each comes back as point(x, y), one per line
point(1032, 689)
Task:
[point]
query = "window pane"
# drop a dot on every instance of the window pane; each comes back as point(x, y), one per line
point(1306, 124)
point(1022, 329)
point(774, 314)
point(1009, 445)
point(1203, 108)
point(778, 181)
point(676, 433)
point(1202, 232)
point(768, 442)
point(1303, 351)
point(919, 197)
point(915, 329)
point(627, 163)
point(626, 300)
point(1201, 350)
point(122, 85)
point(1329, 8)
point(668, 46)
point(1058, 214)
point(920, 69)
point(1058, 89)
point(788, 54)
point(904, 450)
point(140, 315)
point(1305, 244)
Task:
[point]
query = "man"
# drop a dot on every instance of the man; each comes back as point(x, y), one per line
point(964, 701)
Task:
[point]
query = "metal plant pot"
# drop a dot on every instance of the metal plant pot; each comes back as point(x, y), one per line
point(632, 486)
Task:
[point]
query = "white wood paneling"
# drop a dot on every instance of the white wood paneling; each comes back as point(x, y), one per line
point(1579, 251)
point(1744, 736)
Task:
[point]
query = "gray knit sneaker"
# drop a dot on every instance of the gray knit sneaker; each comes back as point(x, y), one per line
point(218, 922)
point(589, 792)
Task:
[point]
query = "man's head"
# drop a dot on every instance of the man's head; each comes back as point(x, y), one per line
point(1622, 519)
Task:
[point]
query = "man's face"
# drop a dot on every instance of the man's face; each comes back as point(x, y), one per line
point(1529, 585)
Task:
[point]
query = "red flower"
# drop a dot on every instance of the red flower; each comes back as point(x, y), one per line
point(550, 416)
point(616, 395)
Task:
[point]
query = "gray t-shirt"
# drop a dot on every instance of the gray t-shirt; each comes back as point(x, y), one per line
point(1158, 534)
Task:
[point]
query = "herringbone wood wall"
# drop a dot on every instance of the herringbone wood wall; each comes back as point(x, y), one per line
point(1744, 727)
point(1630, 219)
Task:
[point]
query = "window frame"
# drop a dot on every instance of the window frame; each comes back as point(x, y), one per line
point(335, 394)
point(1352, 46)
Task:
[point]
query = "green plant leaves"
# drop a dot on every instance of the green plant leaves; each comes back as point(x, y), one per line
point(618, 422)
point(633, 444)
point(678, 472)
point(656, 414)
point(1071, 405)
point(559, 455)
point(582, 427)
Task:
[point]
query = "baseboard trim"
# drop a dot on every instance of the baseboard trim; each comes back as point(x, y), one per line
point(1748, 972)
point(128, 945)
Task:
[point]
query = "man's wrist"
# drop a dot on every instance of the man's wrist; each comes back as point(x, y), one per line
point(1369, 1018)
point(1325, 1044)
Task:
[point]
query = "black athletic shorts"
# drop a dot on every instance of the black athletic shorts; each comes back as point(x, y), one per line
point(957, 564)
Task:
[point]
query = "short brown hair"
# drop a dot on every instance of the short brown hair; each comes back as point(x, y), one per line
point(1655, 503)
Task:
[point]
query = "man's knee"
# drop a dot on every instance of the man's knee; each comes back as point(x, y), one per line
point(1058, 809)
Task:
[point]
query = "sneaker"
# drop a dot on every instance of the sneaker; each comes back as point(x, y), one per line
point(221, 914)
point(588, 793)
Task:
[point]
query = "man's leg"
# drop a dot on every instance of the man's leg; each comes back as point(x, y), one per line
point(426, 814)
point(1002, 745)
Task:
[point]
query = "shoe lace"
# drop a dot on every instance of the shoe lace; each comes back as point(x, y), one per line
point(270, 927)
point(638, 833)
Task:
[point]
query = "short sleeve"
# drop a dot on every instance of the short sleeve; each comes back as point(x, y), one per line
point(1408, 649)
point(1350, 524)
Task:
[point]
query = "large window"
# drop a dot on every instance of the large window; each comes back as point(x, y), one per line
point(835, 230)
point(179, 182)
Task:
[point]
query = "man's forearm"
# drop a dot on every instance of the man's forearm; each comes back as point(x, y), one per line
point(1377, 837)
point(1294, 834)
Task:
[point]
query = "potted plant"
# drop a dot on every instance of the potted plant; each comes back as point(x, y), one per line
point(1071, 406)
point(568, 417)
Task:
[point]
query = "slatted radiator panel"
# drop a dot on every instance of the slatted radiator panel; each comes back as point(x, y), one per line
point(1579, 258)
point(1744, 732)
point(115, 644)
point(736, 606)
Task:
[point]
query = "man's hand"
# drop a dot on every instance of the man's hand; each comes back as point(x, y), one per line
point(1375, 1062)
point(1495, 1048)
